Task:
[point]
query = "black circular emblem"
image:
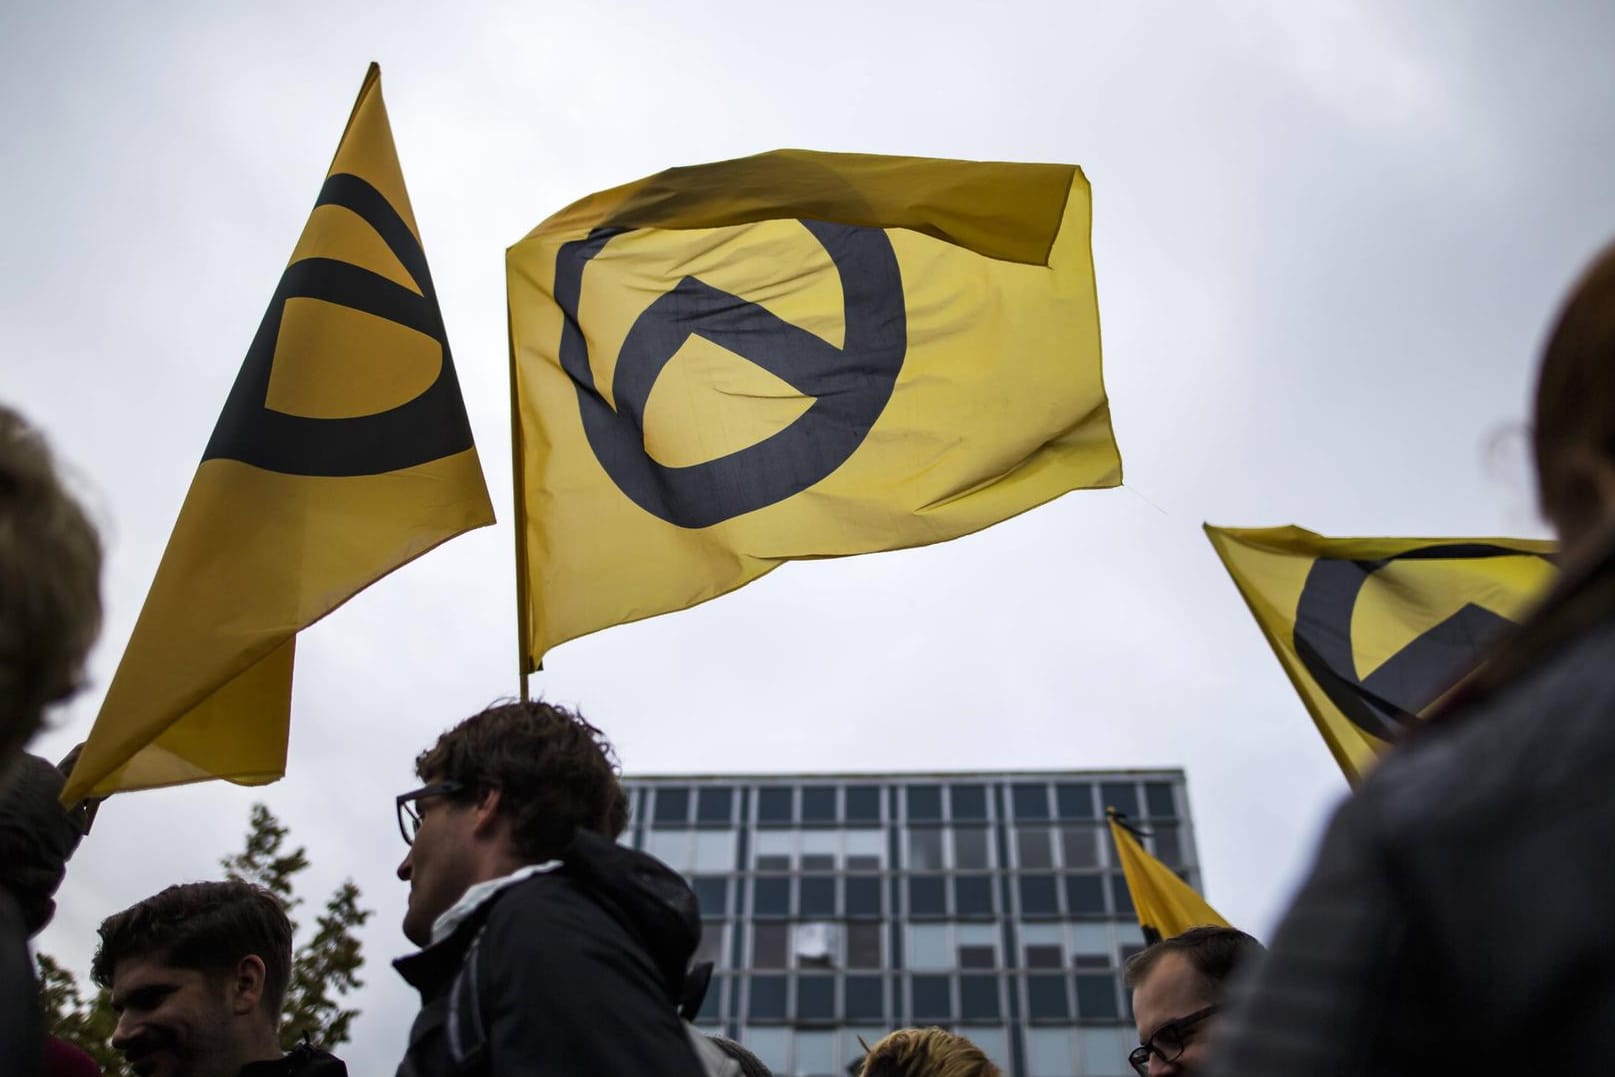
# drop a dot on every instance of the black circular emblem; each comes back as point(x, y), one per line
point(849, 385)
point(1387, 701)
point(430, 426)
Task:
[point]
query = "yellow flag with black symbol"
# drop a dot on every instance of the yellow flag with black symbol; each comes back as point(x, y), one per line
point(343, 452)
point(1164, 903)
point(794, 355)
point(1372, 631)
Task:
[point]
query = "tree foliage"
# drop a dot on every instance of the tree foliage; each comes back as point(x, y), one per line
point(324, 971)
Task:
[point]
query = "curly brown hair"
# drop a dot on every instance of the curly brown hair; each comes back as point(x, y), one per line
point(50, 584)
point(926, 1052)
point(556, 773)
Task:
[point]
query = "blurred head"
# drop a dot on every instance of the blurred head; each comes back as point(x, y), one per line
point(523, 778)
point(50, 584)
point(1574, 423)
point(926, 1052)
point(198, 974)
point(1178, 986)
point(36, 837)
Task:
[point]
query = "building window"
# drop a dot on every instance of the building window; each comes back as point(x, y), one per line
point(978, 998)
point(1079, 846)
point(818, 804)
point(1120, 895)
point(672, 806)
point(671, 847)
point(928, 949)
point(978, 957)
point(1046, 998)
point(714, 805)
point(924, 803)
point(771, 897)
point(1085, 895)
point(1049, 1054)
point(932, 1000)
point(767, 998)
point(770, 1045)
point(1090, 943)
point(925, 849)
point(712, 894)
point(970, 848)
point(1096, 995)
point(1075, 800)
point(973, 895)
point(818, 896)
point(1104, 1050)
point(1158, 798)
point(1123, 796)
point(863, 804)
point(712, 1004)
point(815, 998)
point(1044, 956)
point(1038, 895)
point(1033, 848)
point(1031, 801)
point(927, 896)
point(977, 943)
point(1168, 845)
point(864, 945)
point(816, 1053)
point(711, 947)
point(969, 802)
point(863, 896)
point(816, 943)
point(866, 849)
point(714, 850)
point(774, 804)
point(768, 945)
point(865, 999)
point(773, 850)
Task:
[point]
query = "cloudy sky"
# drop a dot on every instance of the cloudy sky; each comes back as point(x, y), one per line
point(1328, 237)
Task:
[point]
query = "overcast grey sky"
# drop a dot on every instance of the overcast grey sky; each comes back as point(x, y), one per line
point(1328, 237)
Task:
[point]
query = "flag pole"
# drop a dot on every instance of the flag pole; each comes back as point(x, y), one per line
point(519, 496)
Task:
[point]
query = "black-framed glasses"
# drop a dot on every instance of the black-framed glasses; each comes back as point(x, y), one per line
point(1168, 1042)
point(409, 820)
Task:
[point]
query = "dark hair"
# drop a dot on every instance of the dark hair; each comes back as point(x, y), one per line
point(556, 774)
point(50, 584)
point(1574, 389)
point(205, 926)
point(1214, 952)
point(926, 1052)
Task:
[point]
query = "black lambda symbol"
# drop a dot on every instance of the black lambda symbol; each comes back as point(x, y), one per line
point(1387, 701)
point(850, 385)
point(431, 426)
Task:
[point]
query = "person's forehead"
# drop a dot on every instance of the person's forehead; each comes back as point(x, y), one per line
point(137, 973)
point(1174, 988)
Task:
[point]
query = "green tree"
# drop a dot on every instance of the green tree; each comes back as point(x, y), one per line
point(324, 967)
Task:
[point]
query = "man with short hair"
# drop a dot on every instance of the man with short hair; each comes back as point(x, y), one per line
point(547, 947)
point(1178, 988)
point(198, 973)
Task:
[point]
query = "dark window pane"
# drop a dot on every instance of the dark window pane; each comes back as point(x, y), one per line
point(768, 945)
point(978, 997)
point(818, 861)
point(710, 947)
point(1096, 996)
point(1038, 896)
point(1031, 801)
point(1123, 796)
point(1046, 997)
point(815, 998)
point(767, 998)
point(771, 897)
point(924, 849)
point(1168, 845)
point(969, 802)
point(714, 805)
point(672, 806)
point(711, 1006)
point(863, 804)
point(1079, 846)
point(931, 998)
point(924, 803)
point(1033, 848)
point(712, 892)
point(863, 945)
point(863, 896)
point(1085, 894)
point(857, 862)
point(1120, 895)
point(864, 999)
point(926, 896)
point(973, 895)
point(818, 896)
point(1091, 961)
point(1044, 956)
point(819, 804)
point(978, 957)
point(970, 847)
point(1158, 798)
point(773, 862)
point(1076, 801)
point(773, 805)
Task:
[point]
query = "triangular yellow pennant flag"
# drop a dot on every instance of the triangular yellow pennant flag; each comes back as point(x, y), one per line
point(343, 452)
point(1372, 631)
point(793, 355)
point(1165, 904)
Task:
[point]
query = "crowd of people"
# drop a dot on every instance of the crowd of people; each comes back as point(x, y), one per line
point(1459, 902)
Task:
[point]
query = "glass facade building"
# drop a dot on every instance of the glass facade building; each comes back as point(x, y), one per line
point(842, 906)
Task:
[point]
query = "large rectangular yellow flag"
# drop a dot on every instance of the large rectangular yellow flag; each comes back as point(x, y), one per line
point(343, 452)
point(794, 355)
point(1165, 904)
point(1372, 631)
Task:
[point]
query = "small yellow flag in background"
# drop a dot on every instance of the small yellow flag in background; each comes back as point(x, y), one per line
point(342, 452)
point(1372, 631)
point(794, 355)
point(1165, 904)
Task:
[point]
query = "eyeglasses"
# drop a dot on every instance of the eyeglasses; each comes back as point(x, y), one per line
point(409, 820)
point(1168, 1042)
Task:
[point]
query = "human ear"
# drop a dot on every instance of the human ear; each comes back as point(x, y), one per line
point(487, 812)
point(247, 984)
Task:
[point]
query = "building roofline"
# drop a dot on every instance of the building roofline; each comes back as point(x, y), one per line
point(915, 775)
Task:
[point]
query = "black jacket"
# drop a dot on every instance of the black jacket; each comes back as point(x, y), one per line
point(570, 973)
point(301, 1061)
point(1461, 913)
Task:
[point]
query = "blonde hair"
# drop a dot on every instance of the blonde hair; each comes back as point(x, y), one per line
point(926, 1052)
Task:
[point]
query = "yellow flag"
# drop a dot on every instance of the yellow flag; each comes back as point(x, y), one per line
point(343, 452)
point(1372, 631)
point(793, 355)
point(1165, 904)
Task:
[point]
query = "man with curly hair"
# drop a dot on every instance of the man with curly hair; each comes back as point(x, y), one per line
point(547, 947)
point(926, 1052)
